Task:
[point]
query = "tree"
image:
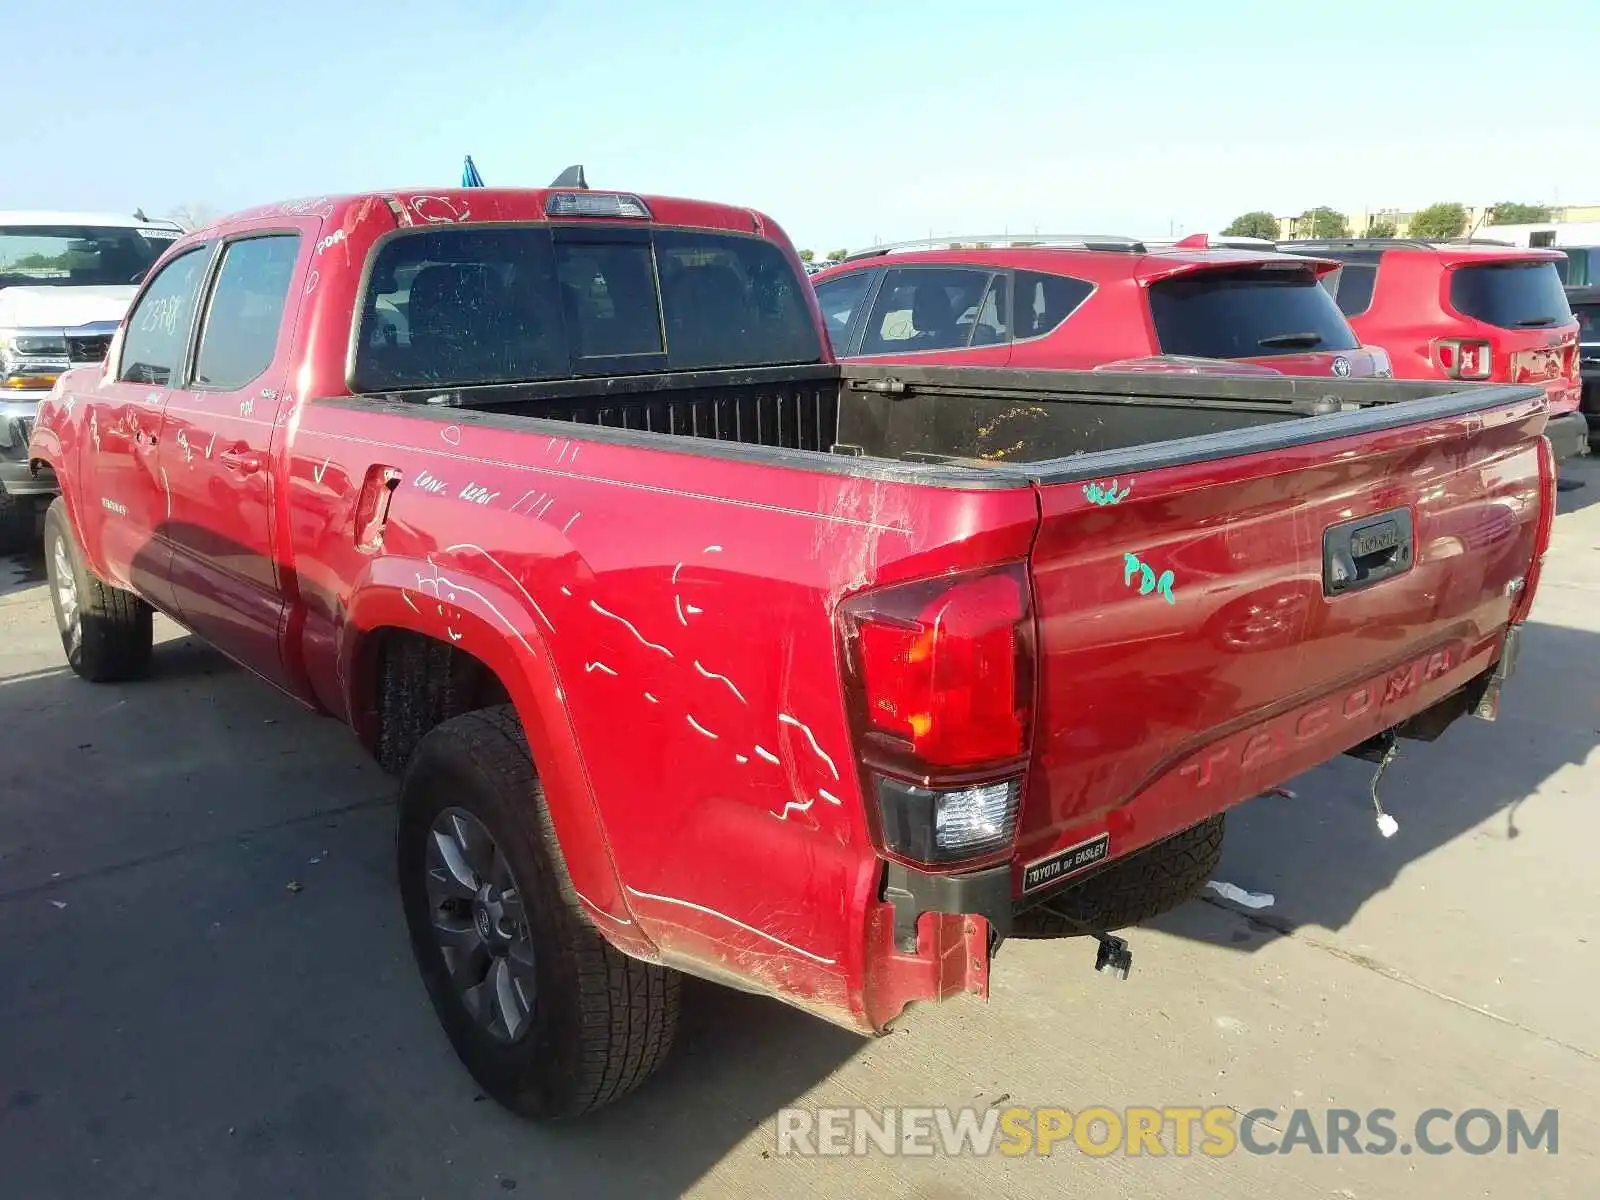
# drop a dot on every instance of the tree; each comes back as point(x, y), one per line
point(837, 255)
point(194, 216)
point(1383, 228)
point(1519, 214)
point(1438, 222)
point(806, 256)
point(1257, 224)
point(1323, 222)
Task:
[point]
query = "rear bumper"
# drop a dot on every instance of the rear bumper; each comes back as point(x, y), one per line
point(1569, 434)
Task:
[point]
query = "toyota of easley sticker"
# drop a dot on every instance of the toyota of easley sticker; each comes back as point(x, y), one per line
point(1064, 863)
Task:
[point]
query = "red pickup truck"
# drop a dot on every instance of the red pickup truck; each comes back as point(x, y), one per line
point(697, 652)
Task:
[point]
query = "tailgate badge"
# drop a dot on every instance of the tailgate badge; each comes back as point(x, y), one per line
point(1341, 367)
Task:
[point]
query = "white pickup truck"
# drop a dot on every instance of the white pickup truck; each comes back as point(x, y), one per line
point(65, 281)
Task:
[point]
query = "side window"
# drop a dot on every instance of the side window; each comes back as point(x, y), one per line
point(925, 308)
point(158, 328)
point(839, 298)
point(1351, 286)
point(240, 333)
point(608, 291)
point(1044, 301)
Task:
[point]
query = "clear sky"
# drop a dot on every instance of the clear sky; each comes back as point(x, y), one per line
point(847, 122)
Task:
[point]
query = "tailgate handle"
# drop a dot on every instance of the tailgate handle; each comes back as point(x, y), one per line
point(1357, 554)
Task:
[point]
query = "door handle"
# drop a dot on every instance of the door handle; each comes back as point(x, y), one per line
point(242, 460)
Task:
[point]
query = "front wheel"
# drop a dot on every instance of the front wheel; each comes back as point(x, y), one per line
point(549, 1018)
point(106, 632)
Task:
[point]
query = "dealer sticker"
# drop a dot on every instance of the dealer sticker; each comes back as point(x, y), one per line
point(1064, 863)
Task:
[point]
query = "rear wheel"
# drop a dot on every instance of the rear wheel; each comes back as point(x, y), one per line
point(107, 632)
point(1146, 884)
point(548, 1017)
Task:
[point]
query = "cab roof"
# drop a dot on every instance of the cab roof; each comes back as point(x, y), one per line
point(422, 207)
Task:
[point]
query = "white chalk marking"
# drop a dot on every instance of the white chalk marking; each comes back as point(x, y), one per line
point(320, 471)
point(677, 603)
point(700, 727)
point(166, 486)
point(406, 596)
point(692, 611)
point(713, 675)
point(768, 755)
point(812, 738)
point(675, 571)
point(515, 582)
point(828, 796)
point(454, 636)
point(565, 590)
point(711, 912)
point(451, 434)
point(741, 758)
point(712, 550)
point(597, 666)
point(651, 698)
point(632, 628)
point(570, 520)
point(795, 806)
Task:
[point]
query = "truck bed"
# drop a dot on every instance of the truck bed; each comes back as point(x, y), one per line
point(983, 417)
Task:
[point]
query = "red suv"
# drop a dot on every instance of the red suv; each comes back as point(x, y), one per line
point(1081, 304)
point(1467, 310)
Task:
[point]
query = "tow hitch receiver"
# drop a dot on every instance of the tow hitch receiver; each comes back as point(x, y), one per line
point(1113, 955)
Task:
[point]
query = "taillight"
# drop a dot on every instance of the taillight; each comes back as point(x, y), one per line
point(941, 679)
point(1542, 531)
point(1464, 358)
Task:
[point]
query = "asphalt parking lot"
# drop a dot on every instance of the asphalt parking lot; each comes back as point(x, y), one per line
point(205, 989)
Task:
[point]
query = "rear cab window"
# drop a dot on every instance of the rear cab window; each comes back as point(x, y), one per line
point(467, 306)
point(1510, 295)
point(1247, 313)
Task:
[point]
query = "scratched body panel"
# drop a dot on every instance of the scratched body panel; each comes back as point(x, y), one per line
point(689, 620)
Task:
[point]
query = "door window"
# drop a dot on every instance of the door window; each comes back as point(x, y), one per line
point(925, 308)
point(158, 328)
point(239, 337)
point(839, 299)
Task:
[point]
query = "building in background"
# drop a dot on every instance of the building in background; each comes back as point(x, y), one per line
point(1478, 219)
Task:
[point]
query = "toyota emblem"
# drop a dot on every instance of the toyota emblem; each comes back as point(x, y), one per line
point(1341, 367)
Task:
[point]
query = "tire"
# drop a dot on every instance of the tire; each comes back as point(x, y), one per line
point(1146, 884)
point(17, 516)
point(107, 633)
point(597, 1023)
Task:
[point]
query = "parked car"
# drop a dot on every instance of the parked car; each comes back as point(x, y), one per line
point(65, 281)
point(696, 652)
point(1084, 303)
point(1585, 302)
point(1463, 310)
point(1581, 266)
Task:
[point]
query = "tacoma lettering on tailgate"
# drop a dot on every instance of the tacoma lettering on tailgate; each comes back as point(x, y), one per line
point(1314, 722)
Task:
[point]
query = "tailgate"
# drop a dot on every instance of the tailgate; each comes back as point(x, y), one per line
point(1210, 626)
